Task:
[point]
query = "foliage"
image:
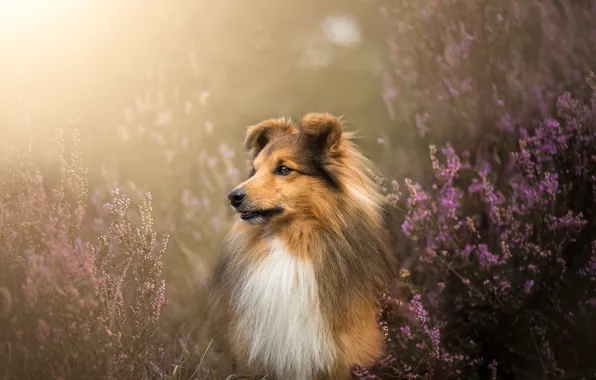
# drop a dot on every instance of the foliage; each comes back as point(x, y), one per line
point(465, 71)
point(179, 156)
point(71, 308)
point(506, 257)
point(497, 235)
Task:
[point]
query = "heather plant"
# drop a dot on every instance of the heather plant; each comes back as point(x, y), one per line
point(167, 143)
point(413, 345)
point(464, 71)
point(70, 308)
point(504, 253)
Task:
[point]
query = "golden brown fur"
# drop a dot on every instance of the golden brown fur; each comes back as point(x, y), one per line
point(326, 213)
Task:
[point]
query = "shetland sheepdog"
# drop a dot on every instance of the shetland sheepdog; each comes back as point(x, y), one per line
point(294, 291)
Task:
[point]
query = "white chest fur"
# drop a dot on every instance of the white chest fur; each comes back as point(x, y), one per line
point(280, 316)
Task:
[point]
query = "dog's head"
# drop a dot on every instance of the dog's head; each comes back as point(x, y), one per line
point(292, 173)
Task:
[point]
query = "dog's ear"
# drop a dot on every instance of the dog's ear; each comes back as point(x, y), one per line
point(323, 131)
point(257, 136)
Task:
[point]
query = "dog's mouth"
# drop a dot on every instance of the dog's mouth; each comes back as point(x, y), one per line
point(260, 214)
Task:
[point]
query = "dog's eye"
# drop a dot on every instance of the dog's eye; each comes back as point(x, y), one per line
point(283, 170)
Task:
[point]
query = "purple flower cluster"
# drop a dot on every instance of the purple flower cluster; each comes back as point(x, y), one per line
point(504, 255)
point(462, 71)
point(179, 155)
point(413, 345)
point(497, 232)
point(71, 308)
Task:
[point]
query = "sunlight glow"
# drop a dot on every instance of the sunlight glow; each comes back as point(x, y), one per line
point(18, 16)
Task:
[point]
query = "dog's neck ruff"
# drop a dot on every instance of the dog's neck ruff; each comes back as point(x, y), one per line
point(280, 318)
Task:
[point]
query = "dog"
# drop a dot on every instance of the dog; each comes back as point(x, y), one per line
point(295, 288)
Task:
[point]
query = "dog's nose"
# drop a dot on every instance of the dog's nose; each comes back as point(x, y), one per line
point(236, 197)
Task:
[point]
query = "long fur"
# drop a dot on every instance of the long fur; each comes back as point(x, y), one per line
point(295, 295)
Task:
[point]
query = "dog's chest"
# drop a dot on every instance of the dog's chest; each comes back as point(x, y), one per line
point(280, 319)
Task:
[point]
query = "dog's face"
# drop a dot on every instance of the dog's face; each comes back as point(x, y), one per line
point(290, 176)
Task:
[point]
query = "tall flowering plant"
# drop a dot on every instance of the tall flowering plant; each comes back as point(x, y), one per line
point(505, 251)
point(464, 71)
point(70, 308)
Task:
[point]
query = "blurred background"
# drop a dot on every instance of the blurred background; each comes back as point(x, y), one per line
point(161, 92)
point(236, 61)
